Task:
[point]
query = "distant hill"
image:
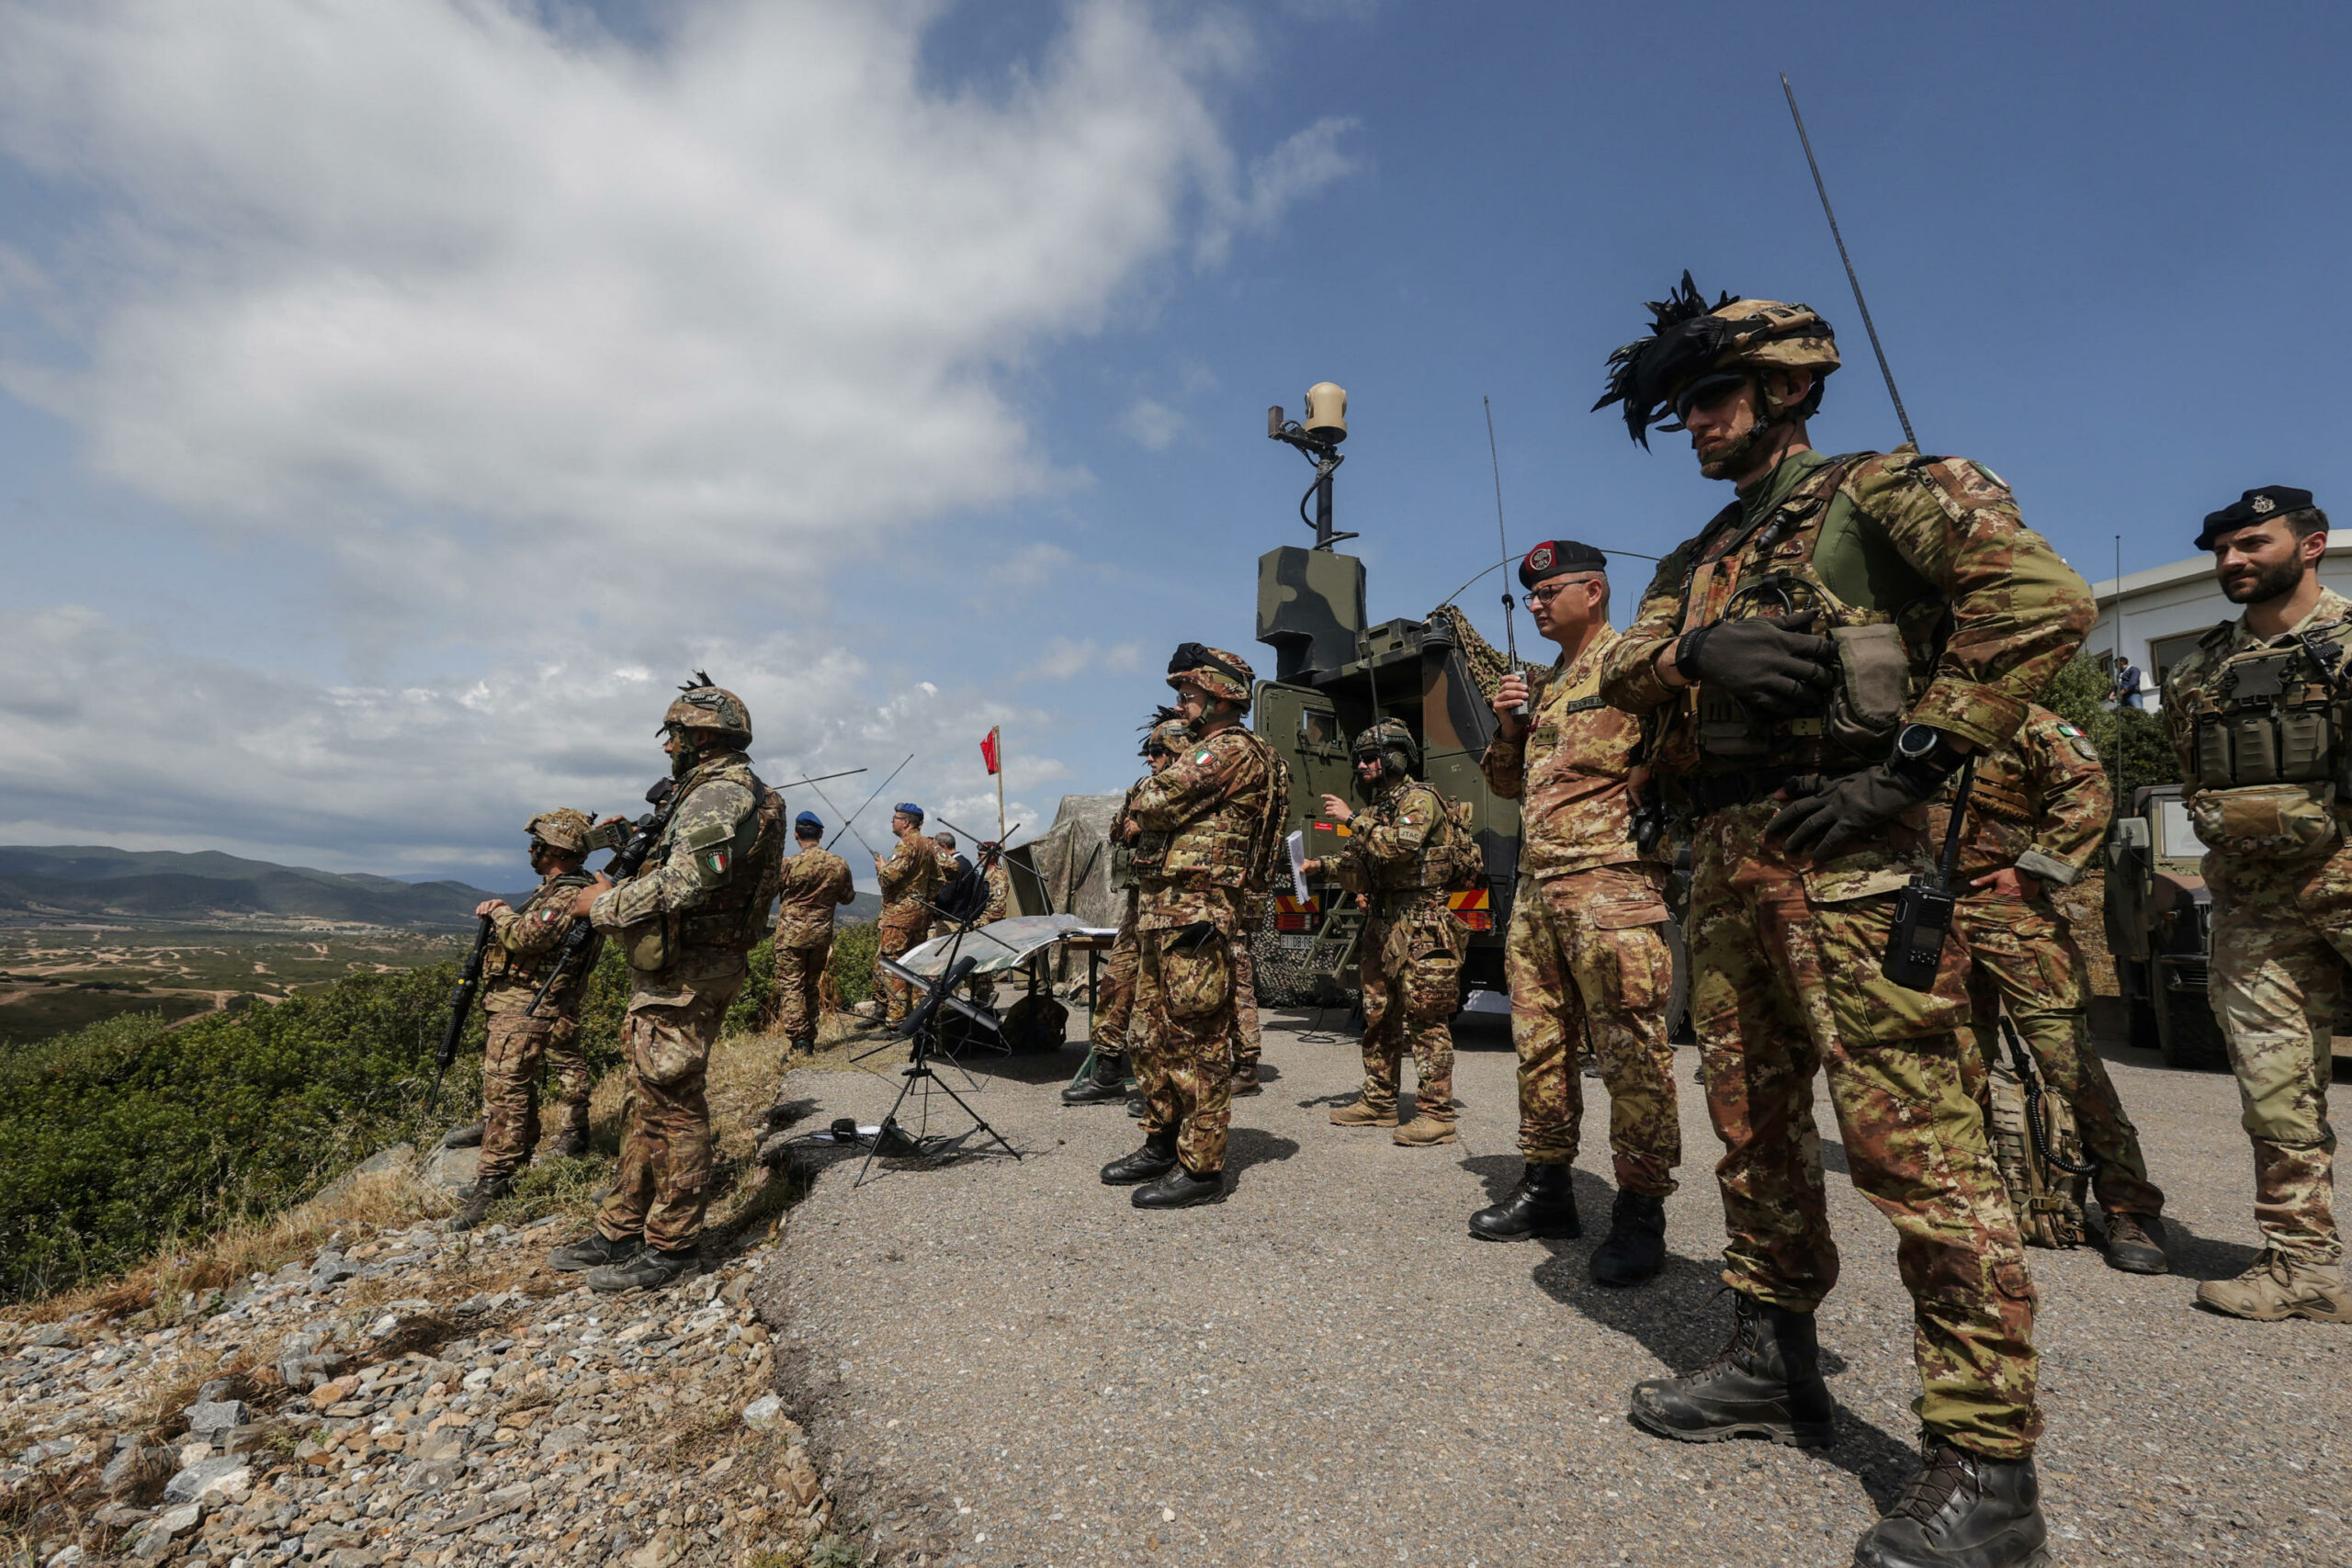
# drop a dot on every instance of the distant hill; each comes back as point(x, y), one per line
point(92, 882)
point(81, 882)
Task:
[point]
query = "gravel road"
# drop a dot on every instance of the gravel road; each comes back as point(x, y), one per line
point(1013, 1367)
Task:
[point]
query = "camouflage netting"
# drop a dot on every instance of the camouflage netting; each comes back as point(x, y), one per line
point(1488, 663)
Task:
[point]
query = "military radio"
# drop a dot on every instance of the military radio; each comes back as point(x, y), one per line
point(1914, 949)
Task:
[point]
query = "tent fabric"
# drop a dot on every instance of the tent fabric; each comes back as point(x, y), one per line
point(1074, 857)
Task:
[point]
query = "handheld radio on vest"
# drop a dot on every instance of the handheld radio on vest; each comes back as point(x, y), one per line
point(1914, 949)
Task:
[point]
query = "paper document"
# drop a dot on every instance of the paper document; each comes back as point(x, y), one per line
point(1297, 842)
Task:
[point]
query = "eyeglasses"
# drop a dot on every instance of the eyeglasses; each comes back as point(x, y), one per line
point(1551, 591)
point(1706, 392)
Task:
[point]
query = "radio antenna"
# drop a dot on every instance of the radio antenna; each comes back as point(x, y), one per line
point(1856, 283)
point(1502, 541)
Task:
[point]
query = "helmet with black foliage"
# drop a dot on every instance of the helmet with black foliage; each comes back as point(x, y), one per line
point(1695, 349)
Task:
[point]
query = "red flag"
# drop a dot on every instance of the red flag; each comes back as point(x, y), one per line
point(988, 750)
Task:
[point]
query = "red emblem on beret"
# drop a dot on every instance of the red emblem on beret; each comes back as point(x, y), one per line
point(1540, 557)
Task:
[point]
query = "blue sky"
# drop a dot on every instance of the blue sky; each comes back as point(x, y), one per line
point(394, 401)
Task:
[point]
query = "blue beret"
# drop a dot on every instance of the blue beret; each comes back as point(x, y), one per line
point(809, 819)
point(909, 809)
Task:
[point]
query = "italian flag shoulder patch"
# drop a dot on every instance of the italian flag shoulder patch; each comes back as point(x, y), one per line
point(715, 862)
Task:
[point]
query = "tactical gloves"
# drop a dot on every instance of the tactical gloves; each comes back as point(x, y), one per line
point(1824, 815)
point(1770, 663)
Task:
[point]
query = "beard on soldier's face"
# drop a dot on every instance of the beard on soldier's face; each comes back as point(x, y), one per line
point(2266, 584)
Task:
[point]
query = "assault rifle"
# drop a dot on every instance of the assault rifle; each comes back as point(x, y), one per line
point(627, 856)
point(461, 1002)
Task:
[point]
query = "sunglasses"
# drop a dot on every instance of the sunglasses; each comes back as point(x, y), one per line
point(1551, 591)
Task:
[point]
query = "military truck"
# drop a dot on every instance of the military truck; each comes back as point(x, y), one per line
point(2159, 919)
point(1335, 673)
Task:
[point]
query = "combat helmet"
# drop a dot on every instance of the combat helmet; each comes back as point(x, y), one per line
point(1393, 743)
point(1215, 672)
point(1692, 343)
point(703, 705)
point(562, 828)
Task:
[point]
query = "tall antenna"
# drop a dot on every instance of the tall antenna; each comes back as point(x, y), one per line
point(1859, 302)
point(1502, 541)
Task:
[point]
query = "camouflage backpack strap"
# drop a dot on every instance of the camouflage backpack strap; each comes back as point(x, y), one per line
point(1268, 850)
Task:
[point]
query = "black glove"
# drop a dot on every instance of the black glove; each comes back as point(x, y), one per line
point(1824, 815)
point(1769, 662)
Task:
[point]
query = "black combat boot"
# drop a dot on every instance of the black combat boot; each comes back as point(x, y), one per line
point(649, 1269)
point(1765, 1383)
point(1139, 1107)
point(1962, 1510)
point(1635, 1249)
point(476, 1208)
point(1180, 1189)
point(465, 1137)
point(1108, 1083)
point(1155, 1158)
point(591, 1251)
point(1544, 1203)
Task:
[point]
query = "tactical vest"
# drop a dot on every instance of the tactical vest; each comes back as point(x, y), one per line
point(733, 916)
point(2272, 771)
point(1448, 856)
point(501, 967)
point(1226, 845)
point(1816, 550)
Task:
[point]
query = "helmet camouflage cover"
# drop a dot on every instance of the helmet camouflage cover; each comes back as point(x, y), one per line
point(702, 706)
point(1215, 672)
point(1392, 742)
point(562, 828)
point(1170, 736)
point(1690, 339)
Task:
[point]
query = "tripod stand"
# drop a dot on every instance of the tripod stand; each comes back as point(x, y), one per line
point(922, 1028)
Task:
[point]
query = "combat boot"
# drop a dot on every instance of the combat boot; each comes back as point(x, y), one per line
point(1765, 1383)
point(476, 1208)
point(2135, 1244)
point(1157, 1157)
point(591, 1251)
point(649, 1269)
point(1422, 1132)
point(1244, 1080)
point(1109, 1083)
point(1180, 1189)
point(1962, 1510)
point(2280, 1286)
point(1634, 1249)
point(1544, 1203)
point(466, 1137)
point(1361, 1112)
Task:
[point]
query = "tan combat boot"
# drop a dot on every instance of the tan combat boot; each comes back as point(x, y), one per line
point(1423, 1130)
point(2280, 1286)
point(1360, 1112)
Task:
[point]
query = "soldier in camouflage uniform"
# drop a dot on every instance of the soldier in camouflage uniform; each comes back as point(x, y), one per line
point(1220, 805)
point(1113, 1028)
point(910, 878)
point(687, 922)
point(1816, 664)
point(1586, 955)
point(1404, 852)
point(523, 943)
point(1248, 1040)
point(815, 882)
point(2037, 811)
point(998, 876)
point(2260, 715)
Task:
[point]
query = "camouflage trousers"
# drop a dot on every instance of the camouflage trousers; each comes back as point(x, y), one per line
point(898, 996)
point(1115, 997)
point(2021, 956)
point(800, 976)
point(1586, 956)
point(1410, 970)
point(2281, 933)
point(1785, 982)
point(663, 1186)
point(1184, 997)
point(1247, 1039)
point(510, 1089)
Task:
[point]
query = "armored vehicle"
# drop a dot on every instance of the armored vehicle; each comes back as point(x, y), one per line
point(2159, 919)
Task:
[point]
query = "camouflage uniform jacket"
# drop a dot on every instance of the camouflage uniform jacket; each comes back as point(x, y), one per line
point(910, 877)
point(1212, 805)
point(1936, 541)
point(2194, 678)
point(814, 880)
point(1000, 879)
point(524, 941)
point(1382, 857)
point(2040, 804)
point(1570, 769)
point(712, 871)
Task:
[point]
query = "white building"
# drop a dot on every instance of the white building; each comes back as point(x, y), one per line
point(2166, 608)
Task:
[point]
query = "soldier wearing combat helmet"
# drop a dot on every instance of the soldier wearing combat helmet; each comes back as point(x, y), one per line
point(1815, 664)
point(523, 947)
point(1220, 805)
point(1404, 852)
point(687, 922)
point(2261, 716)
point(1119, 1046)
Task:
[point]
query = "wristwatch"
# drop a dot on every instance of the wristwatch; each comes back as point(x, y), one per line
point(1922, 748)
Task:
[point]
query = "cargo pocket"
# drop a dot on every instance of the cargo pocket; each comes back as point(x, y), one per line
point(1639, 962)
point(1196, 972)
point(662, 1047)
point(1869, 1009)
point(2289, 821)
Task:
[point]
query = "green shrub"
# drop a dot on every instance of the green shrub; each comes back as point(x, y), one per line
point(2079, 694)
point(851, 965)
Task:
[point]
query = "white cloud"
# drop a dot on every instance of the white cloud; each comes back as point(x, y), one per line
point(1065, 659)
point(1030, 566)
point(1305, 163)
point(1151, 424)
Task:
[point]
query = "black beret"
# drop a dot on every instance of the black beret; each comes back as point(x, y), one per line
point(2254, 506)
point(1554, 557)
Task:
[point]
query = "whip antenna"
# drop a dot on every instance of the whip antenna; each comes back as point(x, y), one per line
point(1502, 540)
point(1855, 282)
